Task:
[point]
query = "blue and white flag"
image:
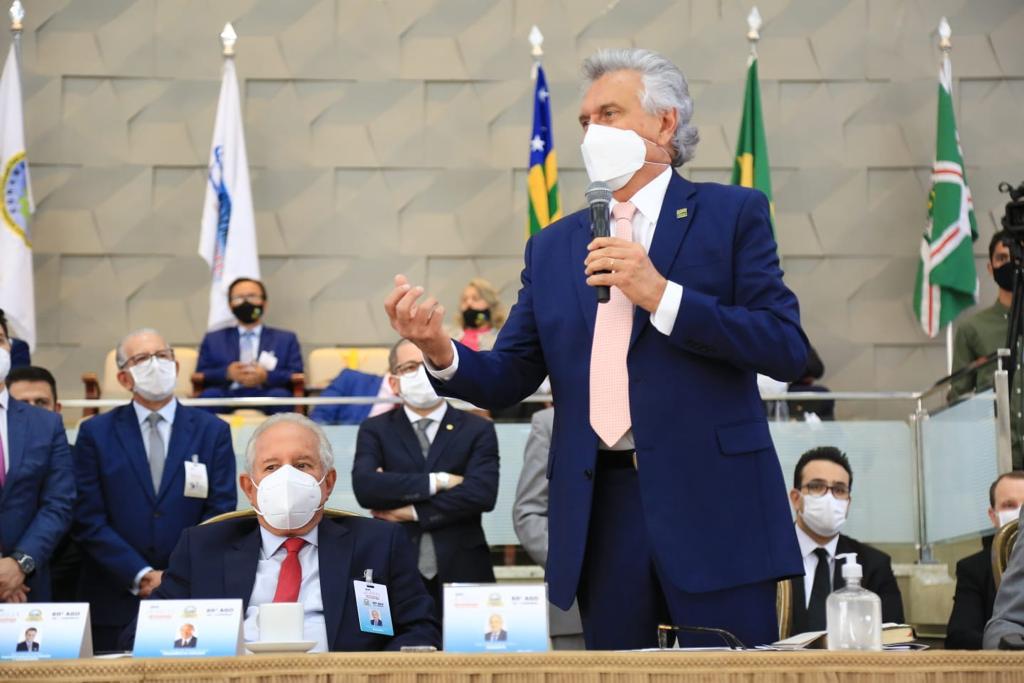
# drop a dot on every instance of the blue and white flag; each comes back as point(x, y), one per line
point(17, 295)
point(228, 237)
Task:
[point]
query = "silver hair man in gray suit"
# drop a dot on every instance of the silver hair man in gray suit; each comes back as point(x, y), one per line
point(1008, 610)
point(530, 516)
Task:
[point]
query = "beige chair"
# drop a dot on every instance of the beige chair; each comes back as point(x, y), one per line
point(244, 417)
point(326, 364)
point(110, 388)
point(784, 607)
point(249, 512)
point(1002, 546)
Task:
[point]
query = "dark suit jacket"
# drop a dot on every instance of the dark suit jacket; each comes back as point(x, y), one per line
point(878, 578)
point(697, 415)
point(973, 600)
point(37, 500)
point(23, 647)
point(220, 349)
point(121, 523)
point(20, 354)
point(219, 561)
point(193, 642)
point(502, 636)
point(465, 444)
point(348, 383)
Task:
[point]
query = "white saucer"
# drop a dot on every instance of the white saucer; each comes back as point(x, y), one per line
point(286, 646)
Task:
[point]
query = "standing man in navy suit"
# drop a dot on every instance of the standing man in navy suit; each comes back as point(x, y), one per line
point(434, 469)
point(145, 471)
point(37, 490)
point(667, 501)
point(251, 359)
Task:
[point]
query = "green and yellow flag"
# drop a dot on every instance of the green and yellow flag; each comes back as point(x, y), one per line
point(542, 182)
point(750, 169)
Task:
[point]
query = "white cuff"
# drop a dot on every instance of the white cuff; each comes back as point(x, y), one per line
point(445, 374)
point(433, 485)
point(138, 580)
point(664, 318)
point(415, 515)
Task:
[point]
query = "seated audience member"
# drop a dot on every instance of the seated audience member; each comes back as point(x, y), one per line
point(37, 490)
point(291, 552)
point(480, 315)
point(354, 383)
point(434, 469)
point(250, 359)
point(530, 518)
point(975, 587)
point(131, 466)
point(1008, 608)
point(822, 481)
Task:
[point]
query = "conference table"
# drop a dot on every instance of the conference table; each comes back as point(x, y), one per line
point(932, 666)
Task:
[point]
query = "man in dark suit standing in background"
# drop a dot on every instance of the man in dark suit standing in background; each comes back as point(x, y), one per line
point(132, 467)
point(37, 490)
point(822, 481)
point(251, 359)
point(433, 468)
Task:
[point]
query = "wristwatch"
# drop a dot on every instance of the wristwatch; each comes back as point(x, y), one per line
point(27, 564)
point(442, 480)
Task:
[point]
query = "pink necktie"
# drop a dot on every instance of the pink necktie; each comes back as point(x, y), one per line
point(609, 378)
point(3, 474)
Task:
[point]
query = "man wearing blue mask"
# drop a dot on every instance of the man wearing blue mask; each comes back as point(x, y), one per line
point(658, 404)
point(434, 469)
point(145, 472)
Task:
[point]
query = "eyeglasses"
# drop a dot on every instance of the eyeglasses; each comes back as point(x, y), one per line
point(139, 358)
point(819, 487)
point(410, 368)
point(248, 298)
point(666, 630)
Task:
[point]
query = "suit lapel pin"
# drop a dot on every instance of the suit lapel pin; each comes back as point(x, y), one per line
point(681, 213)
point(449, 427)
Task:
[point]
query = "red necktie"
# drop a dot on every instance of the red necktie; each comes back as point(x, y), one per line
point(290, 578)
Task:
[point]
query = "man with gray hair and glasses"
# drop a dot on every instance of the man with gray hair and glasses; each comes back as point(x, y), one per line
point(145, 471)
point(667, 500)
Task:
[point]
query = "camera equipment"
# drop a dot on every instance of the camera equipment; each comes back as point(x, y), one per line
point(1013, 218)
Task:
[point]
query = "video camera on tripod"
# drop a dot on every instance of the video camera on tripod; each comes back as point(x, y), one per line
point(1013, 218)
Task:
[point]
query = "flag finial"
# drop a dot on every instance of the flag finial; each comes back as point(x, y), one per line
point(754, 22)
point(17, 13)
point(228, 38)
point(536, 40)
point(945, 33)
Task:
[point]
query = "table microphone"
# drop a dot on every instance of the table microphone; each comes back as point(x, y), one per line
point(599, 196)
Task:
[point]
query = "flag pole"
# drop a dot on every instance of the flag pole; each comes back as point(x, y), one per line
point(228, 38)
point(945, 45)
point(17, 14)
point(536, 39)
point(754, 22)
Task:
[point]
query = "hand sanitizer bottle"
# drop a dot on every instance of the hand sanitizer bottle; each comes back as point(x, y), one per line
point(853, 614)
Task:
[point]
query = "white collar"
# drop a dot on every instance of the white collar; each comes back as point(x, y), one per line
point(649, 198)
point(258, 330)
point(4, 396)
point(167, 412)
point(272, 542)
point(436, 415)
point(808, 545)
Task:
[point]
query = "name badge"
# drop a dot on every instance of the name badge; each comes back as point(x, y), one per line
point(196, 483)
point(267, 361)
point(373, 607)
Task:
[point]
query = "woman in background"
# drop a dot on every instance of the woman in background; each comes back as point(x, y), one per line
point(480, 315)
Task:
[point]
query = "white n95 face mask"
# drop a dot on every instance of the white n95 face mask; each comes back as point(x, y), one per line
point(288, 498)
point(5, 363)
point(824, 515)
point(613, 155)
point(416, 390)
point(1007, 516)
point(155, 378)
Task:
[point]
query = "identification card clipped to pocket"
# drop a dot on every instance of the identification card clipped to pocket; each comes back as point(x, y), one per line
point(196, 483)
point(267, 361)
point(372, 606)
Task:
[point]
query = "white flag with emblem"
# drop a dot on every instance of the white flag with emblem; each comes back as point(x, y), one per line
point(17, 296)
point(228, 237)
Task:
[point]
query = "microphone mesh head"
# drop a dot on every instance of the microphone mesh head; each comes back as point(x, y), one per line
point(598, 191)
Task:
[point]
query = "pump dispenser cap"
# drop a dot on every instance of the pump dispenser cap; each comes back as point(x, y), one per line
point(851, 570)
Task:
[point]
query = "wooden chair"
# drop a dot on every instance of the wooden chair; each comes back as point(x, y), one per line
point(784, 607)
point(109, 387)
point(249, 512)
point(1002, 547)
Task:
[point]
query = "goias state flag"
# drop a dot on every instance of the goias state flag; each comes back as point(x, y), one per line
point(542, 181)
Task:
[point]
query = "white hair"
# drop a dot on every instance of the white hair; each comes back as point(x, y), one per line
point(323, 445)
point(121, 356)
point(665, 88)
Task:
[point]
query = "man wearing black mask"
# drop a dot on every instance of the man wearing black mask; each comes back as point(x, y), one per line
point(250, 359)
point(986, 331)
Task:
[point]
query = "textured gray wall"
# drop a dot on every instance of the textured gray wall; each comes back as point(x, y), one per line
point(392, 136)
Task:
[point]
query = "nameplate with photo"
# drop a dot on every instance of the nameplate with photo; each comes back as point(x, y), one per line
point(189, 628)
point(45, 630)
point(491, 617)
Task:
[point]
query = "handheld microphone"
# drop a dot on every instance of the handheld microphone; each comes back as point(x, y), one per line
point(599, 196)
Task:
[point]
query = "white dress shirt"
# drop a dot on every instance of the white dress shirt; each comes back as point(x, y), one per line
point(807, 547)
point(647, 200)
point(268, 568)
point(4, 404)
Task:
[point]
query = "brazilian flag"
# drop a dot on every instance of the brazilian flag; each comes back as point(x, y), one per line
point(542, 181)
point(751, 166)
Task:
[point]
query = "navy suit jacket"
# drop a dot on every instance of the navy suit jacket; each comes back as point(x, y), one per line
point(348, 383)
point(466, 445)
point(220, 349)
point(219, 561)
point(38, 496)
point(20, 354)
point(714, 497)
point(121, 523)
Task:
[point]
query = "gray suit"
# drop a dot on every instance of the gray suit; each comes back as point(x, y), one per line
point(530, 516)
point(1008, 610)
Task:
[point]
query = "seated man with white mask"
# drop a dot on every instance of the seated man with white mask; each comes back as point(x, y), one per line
point(131, 467)
point(822, 481)
point(291, 552)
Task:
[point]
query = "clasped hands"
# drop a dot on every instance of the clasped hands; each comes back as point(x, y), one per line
point(407, 513)
point(247, 374)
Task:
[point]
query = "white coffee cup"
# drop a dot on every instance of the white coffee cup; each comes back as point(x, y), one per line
point(280, 622)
